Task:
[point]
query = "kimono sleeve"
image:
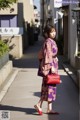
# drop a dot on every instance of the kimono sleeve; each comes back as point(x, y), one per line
point(48, 53)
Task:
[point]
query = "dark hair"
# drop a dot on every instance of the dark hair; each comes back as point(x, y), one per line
point(47, 30)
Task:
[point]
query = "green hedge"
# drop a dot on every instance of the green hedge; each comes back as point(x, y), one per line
point(6, 3)
point(3, 48)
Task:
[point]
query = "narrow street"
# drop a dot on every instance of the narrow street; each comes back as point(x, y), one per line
point(24, 91)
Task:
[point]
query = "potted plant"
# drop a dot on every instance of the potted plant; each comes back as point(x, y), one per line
point(4, 53)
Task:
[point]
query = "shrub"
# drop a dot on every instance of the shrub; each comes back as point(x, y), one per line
point(3, 48)
point(6, 3)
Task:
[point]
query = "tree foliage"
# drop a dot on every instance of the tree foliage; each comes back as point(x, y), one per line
point(6, 3)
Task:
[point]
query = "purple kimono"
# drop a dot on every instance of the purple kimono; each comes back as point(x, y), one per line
point(48, 92)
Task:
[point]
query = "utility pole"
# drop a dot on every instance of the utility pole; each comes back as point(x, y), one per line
point(42, 15)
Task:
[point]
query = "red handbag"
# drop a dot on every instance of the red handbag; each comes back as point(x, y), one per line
point(53, 79)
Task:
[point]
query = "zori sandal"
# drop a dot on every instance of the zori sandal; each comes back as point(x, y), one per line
point(38, 109)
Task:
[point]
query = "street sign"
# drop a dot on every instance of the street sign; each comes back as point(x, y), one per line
point(58, 3)
point(11, 30)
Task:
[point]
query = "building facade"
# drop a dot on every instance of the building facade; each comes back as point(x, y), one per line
point(12, 24)
point(60, 14)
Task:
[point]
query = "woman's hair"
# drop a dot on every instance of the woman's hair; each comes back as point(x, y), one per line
point(47, 30)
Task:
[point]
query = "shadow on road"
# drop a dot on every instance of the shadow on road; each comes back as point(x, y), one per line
point(29, 58)
point(19, 109)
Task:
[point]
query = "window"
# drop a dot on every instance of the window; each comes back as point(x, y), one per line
point(8, 21)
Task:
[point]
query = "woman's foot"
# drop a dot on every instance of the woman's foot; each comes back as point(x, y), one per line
point(39, 110)
point(52, 112)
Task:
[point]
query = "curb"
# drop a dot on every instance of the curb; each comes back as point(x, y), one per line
point(70, 73)
point(10, 78)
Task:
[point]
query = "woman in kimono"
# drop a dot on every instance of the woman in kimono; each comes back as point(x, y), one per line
point(49, 62)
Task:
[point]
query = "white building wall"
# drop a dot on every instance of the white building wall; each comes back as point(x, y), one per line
point(28, 10)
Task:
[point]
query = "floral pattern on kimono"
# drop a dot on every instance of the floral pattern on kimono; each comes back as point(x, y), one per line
point(48, 92)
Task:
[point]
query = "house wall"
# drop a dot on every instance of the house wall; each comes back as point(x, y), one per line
point(72, 32)
point(9, 20)
point(71, 44)
point(25, 16)
point(29, 11)
point(28, 14)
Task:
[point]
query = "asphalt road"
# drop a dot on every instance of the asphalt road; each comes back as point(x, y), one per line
point(24, 92)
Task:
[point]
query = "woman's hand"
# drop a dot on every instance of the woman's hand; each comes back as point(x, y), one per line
point(53, 70)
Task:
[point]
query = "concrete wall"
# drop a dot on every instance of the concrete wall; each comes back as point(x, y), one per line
point(72, 32)
point(5, 71)
point(65, 35)
point(51, 6)
point(16, 46)
point(44, 12)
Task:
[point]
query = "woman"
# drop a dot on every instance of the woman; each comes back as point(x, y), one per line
point(49, 63)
